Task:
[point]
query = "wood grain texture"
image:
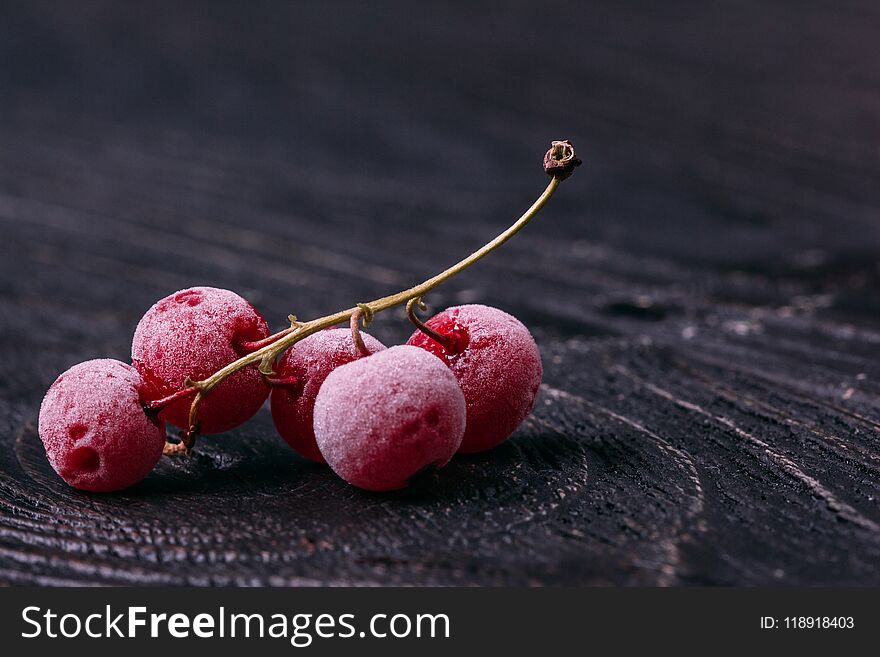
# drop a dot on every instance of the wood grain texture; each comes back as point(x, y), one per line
point(705, 290)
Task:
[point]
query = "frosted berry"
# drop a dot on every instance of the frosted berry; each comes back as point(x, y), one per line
point(94, 428)
point(379, 420)
point(306, 365)
point(497, 364)
point(193, 333)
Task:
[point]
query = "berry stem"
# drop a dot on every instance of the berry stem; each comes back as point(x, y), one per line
point(283, 382)
point(155, 406)
point(250, 347)
point(356, 332)
point(559, 162)
point(439, 338)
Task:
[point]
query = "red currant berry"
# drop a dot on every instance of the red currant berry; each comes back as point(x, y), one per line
point(380, 420)
point(193, 333)
point(497, 364)
point(305, 366)
point(94, 428)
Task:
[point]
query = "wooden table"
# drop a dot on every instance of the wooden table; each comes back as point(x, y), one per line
point(705, 289)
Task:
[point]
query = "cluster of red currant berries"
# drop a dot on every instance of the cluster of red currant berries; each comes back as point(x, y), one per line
point(203, 360)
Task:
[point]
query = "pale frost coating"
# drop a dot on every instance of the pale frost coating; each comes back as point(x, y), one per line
point(310, 361)
point(497, 364)
point(94, 428)
point(193, 333)
point(379, 420)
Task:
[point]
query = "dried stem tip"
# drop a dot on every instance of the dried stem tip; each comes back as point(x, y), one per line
point(560, 160)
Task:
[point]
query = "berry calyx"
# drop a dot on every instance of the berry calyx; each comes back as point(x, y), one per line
point(299, 376)
point(190, 335)
point(95, 430)
point(497, 364)
point(379, 420)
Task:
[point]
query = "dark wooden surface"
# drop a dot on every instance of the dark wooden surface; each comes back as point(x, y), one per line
point(705, 290)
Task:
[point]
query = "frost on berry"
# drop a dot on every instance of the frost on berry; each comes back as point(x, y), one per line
point(380, 420)
point(94, 428)
point(497, 364)
point(193, 333)
point(309, 362)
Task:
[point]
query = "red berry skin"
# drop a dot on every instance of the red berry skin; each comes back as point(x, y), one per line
point(193, 333)
point(309, 362)
point(93, 425)
point(497, 364)
point(379, 420)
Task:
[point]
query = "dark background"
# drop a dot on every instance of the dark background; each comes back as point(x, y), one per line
point(704, 290)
